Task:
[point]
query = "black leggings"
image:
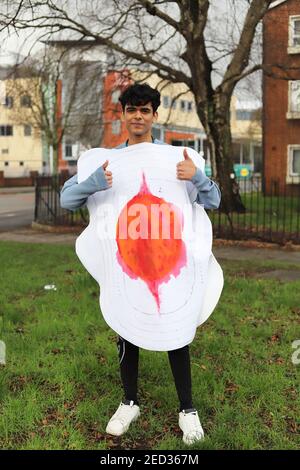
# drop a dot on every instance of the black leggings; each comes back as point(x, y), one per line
point(180, 364)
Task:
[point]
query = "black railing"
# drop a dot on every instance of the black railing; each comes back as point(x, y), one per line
point(273, 217)
point(47, 203)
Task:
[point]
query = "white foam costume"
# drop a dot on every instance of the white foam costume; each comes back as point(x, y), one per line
point(187, 296)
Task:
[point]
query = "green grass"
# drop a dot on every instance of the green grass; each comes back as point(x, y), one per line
point(61, 382)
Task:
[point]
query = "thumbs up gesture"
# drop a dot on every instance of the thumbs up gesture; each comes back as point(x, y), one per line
point(187, 168)
point(108, 174)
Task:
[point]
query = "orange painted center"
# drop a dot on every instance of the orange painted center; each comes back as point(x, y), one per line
point(148, 235)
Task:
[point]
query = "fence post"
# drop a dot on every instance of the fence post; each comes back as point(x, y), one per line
point(37, 198)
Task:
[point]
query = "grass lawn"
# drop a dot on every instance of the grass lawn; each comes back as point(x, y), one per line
point(61, 382)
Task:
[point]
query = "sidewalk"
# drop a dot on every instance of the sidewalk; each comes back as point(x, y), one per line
point(17, 190)
point(222, 249)
point(29, 235)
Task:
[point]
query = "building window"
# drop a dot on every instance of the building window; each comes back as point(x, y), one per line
point(294, 100)
point(68, 150)
point(294, 160)
point(183, 143)
point(71, 150)
point(293, 164)
point(21, 163)
point(26, 101)
point(190, 106)
point(9, 102)
point(27, 129)
point(182, 105)
point(6, 130)
point(296, 32)
point(294, 104)
point(6, 163)
point(294, 35)
point(166, 101)
point(116, 127)
point(156, 133)
point(244, 115)
point(3, 151)
point(115, 96)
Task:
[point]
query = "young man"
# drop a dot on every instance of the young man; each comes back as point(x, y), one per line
point(139, 106)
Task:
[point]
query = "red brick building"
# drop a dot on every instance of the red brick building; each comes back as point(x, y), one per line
point(281, 98)
point(114, 131)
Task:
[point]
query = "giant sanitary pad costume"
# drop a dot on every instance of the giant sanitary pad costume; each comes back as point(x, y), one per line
point(149, 246)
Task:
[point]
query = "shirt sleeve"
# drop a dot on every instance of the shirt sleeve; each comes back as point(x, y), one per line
point(209, 193)
point(74, 195)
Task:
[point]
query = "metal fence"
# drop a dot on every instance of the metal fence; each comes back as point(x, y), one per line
point(274, 217)
point(47, 203)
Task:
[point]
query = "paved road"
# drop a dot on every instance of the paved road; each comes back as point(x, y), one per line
point(16, 208)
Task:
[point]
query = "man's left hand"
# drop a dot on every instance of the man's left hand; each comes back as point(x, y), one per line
point(186, 169)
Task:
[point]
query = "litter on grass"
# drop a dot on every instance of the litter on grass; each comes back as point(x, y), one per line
point(50, 287)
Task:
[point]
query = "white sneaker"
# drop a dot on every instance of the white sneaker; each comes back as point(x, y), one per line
point(120, 421)
point(190, 424)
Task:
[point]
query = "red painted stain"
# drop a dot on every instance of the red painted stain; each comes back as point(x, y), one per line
point(154, 255)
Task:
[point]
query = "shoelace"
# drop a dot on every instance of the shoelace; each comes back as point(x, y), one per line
point(193, 422)
point(123, 414)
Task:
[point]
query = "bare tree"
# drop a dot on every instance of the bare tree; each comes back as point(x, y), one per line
point(63, 98)
point(8, 15)
point(168, 37)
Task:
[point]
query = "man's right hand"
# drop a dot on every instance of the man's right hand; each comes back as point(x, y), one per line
point(108, 174)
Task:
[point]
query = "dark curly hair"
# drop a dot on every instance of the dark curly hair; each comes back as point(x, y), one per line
point(139, 94)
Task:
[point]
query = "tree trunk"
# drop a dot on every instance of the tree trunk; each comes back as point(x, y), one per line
point(216, 121)
point(231, 199)
point(55, 159)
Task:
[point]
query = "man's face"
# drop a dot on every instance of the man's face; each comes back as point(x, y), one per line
point(139, 119)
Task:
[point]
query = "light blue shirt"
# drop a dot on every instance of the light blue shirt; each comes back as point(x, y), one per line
point(74, 195)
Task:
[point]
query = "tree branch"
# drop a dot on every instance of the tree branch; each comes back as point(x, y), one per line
point(154, 11)
point(241, 55)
